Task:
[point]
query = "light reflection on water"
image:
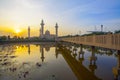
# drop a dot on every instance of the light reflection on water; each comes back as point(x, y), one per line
point(50, 61)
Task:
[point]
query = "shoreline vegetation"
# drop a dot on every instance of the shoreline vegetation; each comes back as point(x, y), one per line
point(22, 41)
point(8, 39)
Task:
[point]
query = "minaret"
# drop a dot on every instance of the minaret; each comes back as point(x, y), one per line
point(56, 29)
point(28, 32)
point(42, 28)
point(101, 28)
point(40, 33)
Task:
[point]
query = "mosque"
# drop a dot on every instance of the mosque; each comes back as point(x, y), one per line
point(47, 34)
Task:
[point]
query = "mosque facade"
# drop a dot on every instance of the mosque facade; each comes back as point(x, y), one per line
point(47, 34)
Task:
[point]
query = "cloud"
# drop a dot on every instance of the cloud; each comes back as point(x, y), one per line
point(73, 15)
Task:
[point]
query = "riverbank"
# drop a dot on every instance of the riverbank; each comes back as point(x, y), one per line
point(24, 41)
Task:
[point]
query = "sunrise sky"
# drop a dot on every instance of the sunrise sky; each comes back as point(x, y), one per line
point(72, 16)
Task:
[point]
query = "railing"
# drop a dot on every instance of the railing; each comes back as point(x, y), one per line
point(111, 41)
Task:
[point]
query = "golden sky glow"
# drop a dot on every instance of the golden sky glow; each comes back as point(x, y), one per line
point(17, 31)
point(78, 15)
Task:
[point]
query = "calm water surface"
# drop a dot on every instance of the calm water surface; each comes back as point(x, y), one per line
point(50, 61)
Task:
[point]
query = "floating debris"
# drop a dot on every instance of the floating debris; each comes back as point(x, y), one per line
point(12, 56)
point(0, 59)
point(38, 64)
point(13, 69)
point(5, 59)
point(25, 63)
point(6, 63)
point(53, 75)
point(5, 56)
point(25, 74)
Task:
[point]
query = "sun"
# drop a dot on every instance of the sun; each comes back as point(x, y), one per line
point(17, 31)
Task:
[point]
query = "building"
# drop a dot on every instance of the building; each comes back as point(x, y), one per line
point(42, 29)
point(28, 32)
point(47, 34)
point(56, 29)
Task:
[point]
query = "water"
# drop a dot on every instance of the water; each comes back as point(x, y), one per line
point(50, 61)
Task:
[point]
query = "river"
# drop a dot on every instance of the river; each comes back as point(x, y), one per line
point(52, 61)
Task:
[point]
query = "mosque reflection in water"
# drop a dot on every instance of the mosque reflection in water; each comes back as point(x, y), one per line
point(63, 61)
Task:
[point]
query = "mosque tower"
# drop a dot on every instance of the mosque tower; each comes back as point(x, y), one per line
point(28, 32)
point(56, 29)
point(42, 29)
point(101, 28)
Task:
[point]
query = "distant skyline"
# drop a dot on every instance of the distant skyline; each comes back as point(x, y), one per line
point(72, 16)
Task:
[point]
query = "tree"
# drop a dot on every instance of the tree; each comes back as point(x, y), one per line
point(2, 38)
point(117, 31)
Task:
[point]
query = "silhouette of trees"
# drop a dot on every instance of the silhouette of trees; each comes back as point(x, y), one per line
point(3, 38)
point(117, 31)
